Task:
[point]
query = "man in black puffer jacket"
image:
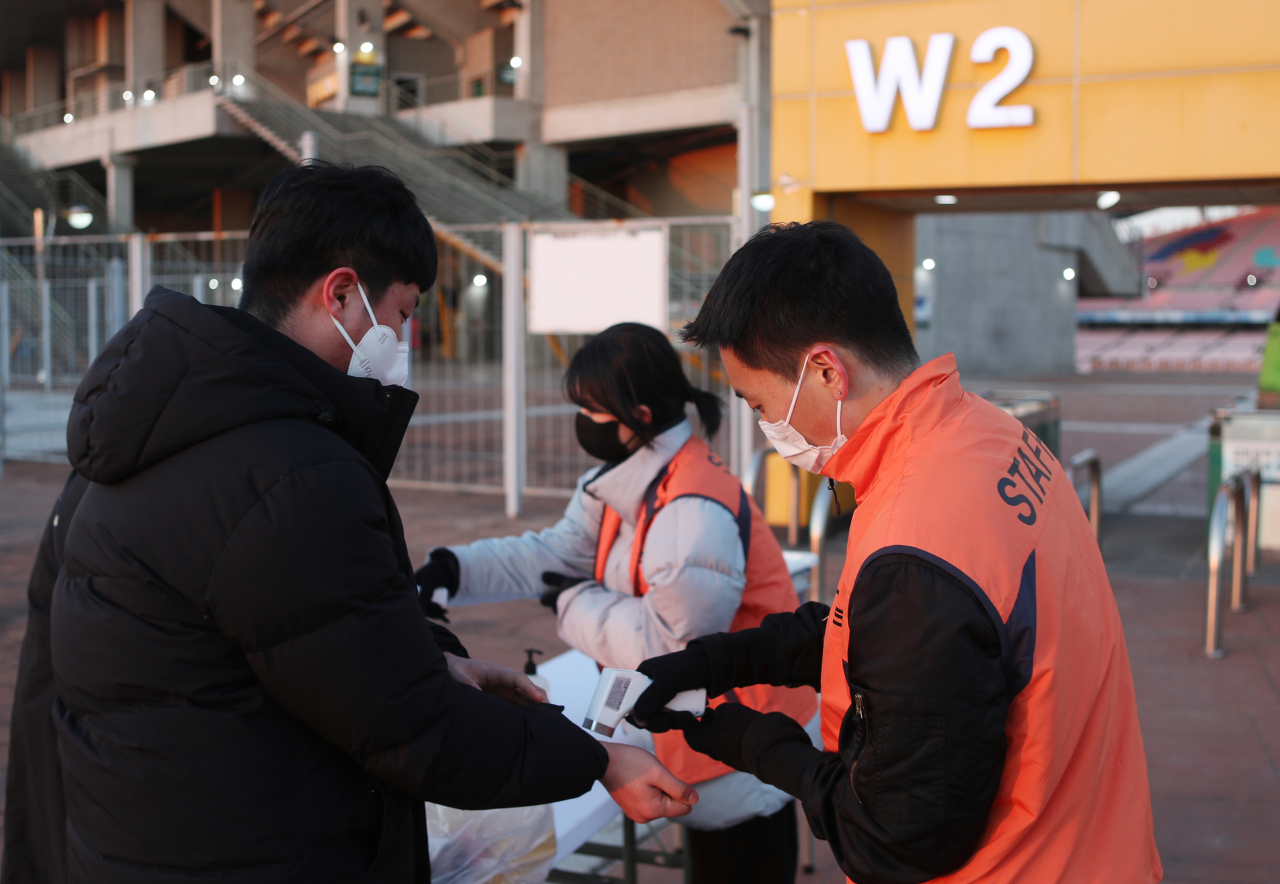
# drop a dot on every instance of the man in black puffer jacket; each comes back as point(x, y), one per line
point(247, 688)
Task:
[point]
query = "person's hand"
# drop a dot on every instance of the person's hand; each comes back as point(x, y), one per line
point(643, 788)
point(556, 584)
point(441, 570)
point(685, 670)
point(720, 733)
point(507, 684)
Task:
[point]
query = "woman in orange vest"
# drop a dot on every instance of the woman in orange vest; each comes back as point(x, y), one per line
point(659, 545)
point(978, 712)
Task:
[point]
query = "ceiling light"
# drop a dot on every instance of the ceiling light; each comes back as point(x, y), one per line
point(235, 284)
point(1069, 274)
point(1108, 198)
point(480, 280)
point(366, 47)
point(68, 118)
point(149, 95)
point(79, 217)
point(946, 199)
point(213, 283)
point(763, 201)
point(213, 81)
point(928, 264)
point(516, 61)
point(237, 80)
point(1151, 282)
point(339, 48)
point(127, 96)
point(1251, 279)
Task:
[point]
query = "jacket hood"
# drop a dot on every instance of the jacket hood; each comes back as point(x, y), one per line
point(181, 372)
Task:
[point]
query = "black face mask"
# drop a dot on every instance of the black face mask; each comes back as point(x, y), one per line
point(600, 440)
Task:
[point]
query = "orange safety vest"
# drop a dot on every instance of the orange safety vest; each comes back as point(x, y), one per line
point(696, 472)
point(945, 475)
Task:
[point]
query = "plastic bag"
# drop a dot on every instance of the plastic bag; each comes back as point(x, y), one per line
point(511, 845)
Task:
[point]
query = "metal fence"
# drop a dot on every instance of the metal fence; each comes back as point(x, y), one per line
point(61, 298)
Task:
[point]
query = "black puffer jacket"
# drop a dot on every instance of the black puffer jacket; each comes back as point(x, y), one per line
point(247, 687)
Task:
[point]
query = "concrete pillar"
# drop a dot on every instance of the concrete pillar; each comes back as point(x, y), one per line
point(890, 234)
point(120, 191)
point(44, 76)
point(13, 92)
point(232, 33)
point(529, 45)
point(540, 168)
point(356, 23)
point(543, 169)
point(143, 43)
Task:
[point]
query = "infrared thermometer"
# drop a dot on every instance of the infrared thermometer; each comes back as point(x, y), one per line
point(616, 695)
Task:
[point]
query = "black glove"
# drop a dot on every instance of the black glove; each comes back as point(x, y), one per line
point(720, 733)
point(685, 670)
point(441, 570)
point(556, 584)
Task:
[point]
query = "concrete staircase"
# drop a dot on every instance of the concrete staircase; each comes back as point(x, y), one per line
point(24, 187)
point(453, 188)
point(21, 190)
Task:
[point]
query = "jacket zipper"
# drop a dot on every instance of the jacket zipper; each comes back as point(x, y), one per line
point(860, 713)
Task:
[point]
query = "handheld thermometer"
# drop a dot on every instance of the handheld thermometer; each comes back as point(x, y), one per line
point(616, 695)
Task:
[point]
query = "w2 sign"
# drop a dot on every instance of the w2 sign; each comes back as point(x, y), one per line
point(921, 89)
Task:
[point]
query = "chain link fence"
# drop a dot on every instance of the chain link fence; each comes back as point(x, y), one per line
point(62, 298)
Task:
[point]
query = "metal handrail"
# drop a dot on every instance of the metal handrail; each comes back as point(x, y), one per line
point(1089, 458)
point(1235, 506)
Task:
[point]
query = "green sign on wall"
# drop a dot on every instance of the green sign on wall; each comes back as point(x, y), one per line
point(365, 79)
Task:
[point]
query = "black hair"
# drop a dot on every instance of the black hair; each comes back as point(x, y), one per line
point(795, 285)
point(319, 216)
point(628, 365)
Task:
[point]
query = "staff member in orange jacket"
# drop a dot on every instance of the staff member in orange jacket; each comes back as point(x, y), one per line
point(659, 545)
point(978, 709)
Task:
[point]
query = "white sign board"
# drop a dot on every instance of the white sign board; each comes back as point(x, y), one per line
point(583, 281)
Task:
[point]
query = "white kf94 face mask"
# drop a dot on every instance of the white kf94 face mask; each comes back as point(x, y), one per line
point(793, 446)
point(379, 355)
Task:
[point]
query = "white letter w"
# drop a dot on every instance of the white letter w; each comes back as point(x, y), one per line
point(898, 72)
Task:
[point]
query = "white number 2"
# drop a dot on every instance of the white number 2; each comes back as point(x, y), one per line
point(985, 111)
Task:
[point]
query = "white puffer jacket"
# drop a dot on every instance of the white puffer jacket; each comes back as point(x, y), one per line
point(693, 562)
point(696, 570)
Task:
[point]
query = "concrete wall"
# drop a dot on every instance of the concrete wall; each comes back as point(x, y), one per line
point(609, 49)
point(997, 296)
point(994, 297)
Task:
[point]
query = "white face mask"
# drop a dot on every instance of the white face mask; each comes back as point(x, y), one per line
point(378, 355)
point(793, 446)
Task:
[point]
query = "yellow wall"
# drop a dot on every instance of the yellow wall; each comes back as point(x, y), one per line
point(1124, 91)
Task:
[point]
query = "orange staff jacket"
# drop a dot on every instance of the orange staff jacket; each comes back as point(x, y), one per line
point(943, 475)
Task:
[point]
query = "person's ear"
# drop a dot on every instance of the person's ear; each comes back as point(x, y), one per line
point(644, 412)
point(832, 370)
point(337, 290)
